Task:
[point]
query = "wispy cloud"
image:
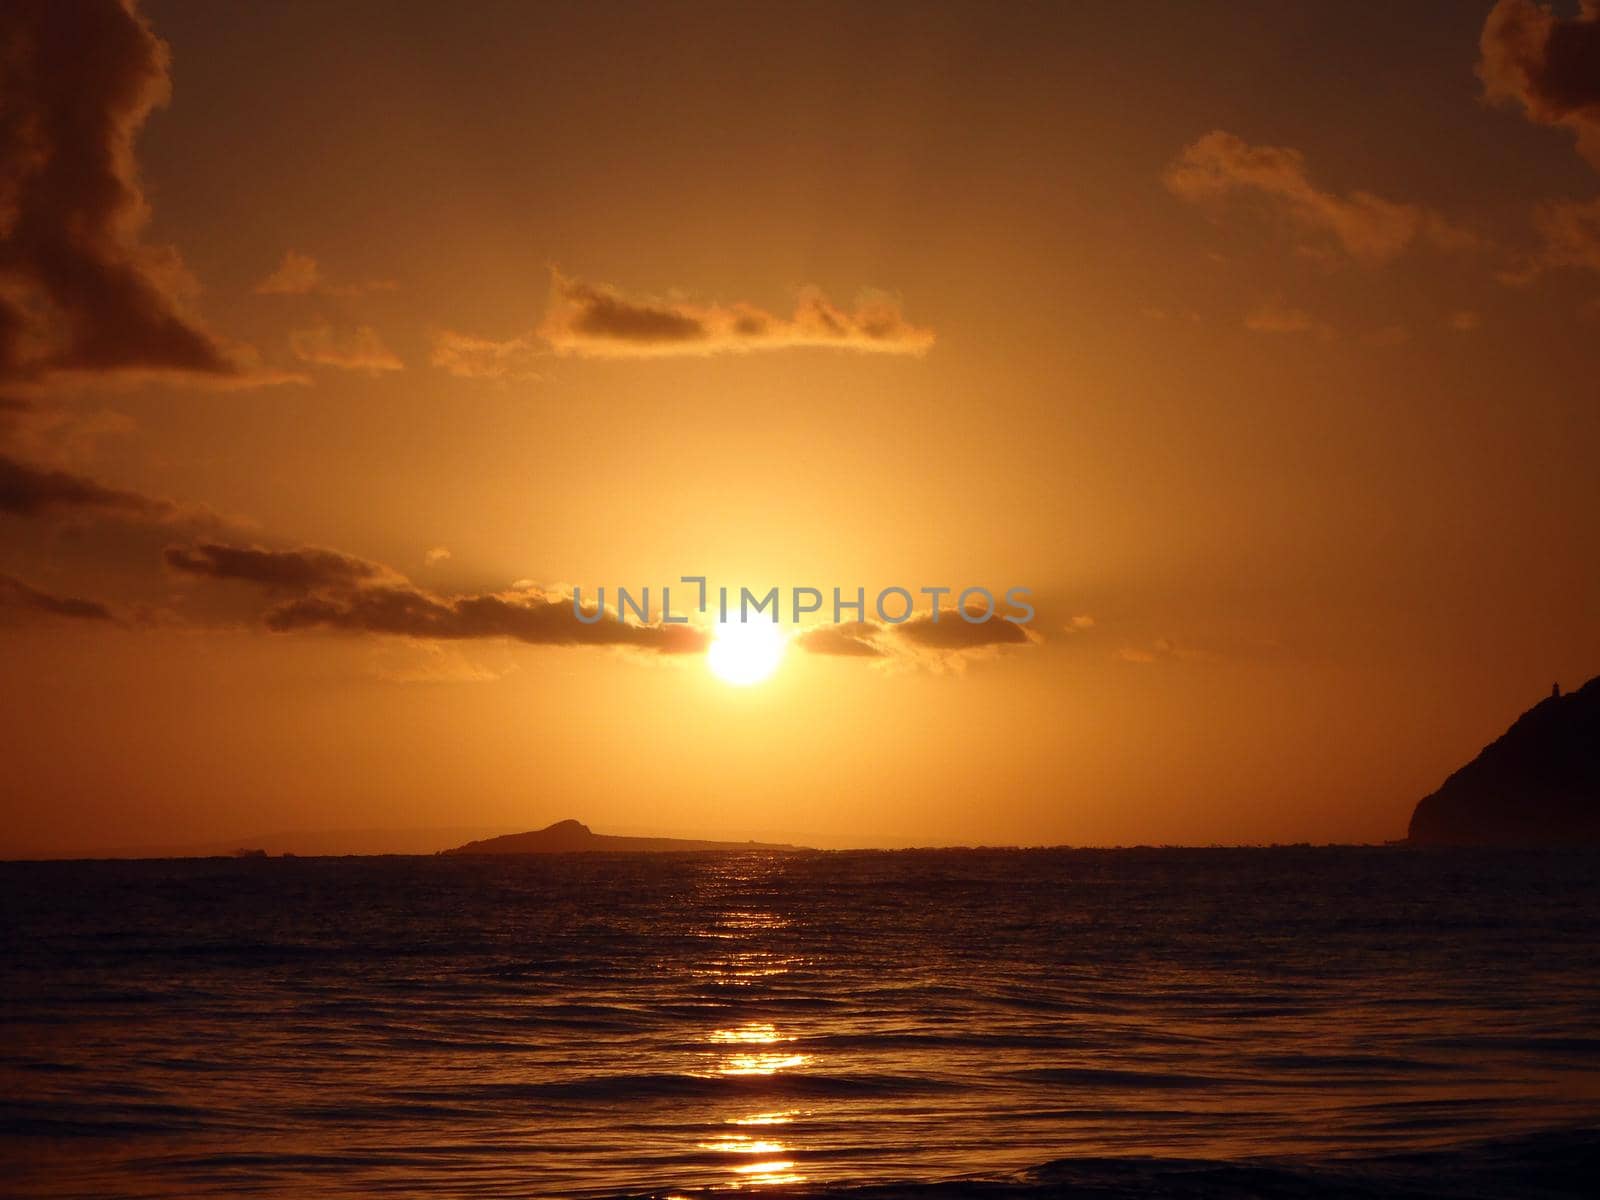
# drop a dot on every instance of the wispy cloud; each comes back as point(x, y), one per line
point(301, 275)
point(469, 357)
point(1276, 317)
point(15, 594)
point(1220, 167)
point(359, 349)
point(1164, 650)
point(30, 490)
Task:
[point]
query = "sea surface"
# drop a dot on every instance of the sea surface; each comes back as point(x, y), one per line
point(1288, 1021)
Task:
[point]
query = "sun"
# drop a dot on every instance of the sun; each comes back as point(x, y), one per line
point(745, 653)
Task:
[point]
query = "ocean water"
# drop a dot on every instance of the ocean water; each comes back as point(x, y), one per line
point(1131, 1022)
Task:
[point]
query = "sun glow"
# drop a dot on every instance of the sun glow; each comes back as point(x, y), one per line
point(743, 653)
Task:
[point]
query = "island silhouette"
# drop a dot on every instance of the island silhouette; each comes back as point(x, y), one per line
point(1538, 784)
point(570, 836)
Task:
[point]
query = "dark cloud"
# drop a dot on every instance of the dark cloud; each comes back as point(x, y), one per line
point(954, 632)
point(80, 292)
point(596, 314)
point(27, 490)
point(338, 591)
point(595, 321)
point(13, 412)
point(590, 319)
point(16, 594)
point(1548, 64)
point(949, 637)
point(533, 618)
point(852, 639)
point(306, 569)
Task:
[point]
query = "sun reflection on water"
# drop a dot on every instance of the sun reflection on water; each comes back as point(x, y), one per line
point(773, 1118)
point(748, 960)
point(762, 1174)
point(759, 1161)
point(749, 1061)
point(756, 1032)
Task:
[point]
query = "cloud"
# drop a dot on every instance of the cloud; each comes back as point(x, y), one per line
point(301, 275)
point(920, 639)
point(1464, 321)
point(60, 434)
point(1274, 317)
point(1569, 238)
point(301, 570)
point(1570, 230)
point(297, 275)
point(599, 321)
point(308, 586)
point(16, 594)
point(338, 591)
point(954, 632)
point(468, 357)
point(1549, 65)
point(1165, 650)
point(1221, 166)
point(79, 292)
point(27, 490)
point(360, 349)
point(436, 555)
point(533, 618)
point(852, 639)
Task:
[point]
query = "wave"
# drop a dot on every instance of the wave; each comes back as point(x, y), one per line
point(1551, 1165)
point(665, 1085)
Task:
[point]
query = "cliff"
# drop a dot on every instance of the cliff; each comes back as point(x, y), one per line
point(1537, 785)
point(570, 837)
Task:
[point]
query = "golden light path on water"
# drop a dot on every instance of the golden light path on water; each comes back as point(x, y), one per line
point(752, 1048)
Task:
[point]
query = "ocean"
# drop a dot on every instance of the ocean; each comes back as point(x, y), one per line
point(1285, 1021)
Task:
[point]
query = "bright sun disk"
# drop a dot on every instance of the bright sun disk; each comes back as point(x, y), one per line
point(743, 653)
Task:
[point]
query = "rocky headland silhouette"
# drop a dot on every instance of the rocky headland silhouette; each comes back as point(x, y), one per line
point(1538, 784)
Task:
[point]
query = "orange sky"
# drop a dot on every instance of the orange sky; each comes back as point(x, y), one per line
point(1257, 340)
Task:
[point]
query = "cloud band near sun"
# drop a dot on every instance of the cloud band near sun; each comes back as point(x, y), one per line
point(316, 588)
point(305, 588)
point(598, 321)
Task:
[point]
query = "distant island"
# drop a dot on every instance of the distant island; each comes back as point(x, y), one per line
point(570, 837)
point(1537, 785)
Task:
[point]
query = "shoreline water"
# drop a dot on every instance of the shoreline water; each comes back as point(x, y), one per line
point(1555, 1164)
point(603, 1025)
